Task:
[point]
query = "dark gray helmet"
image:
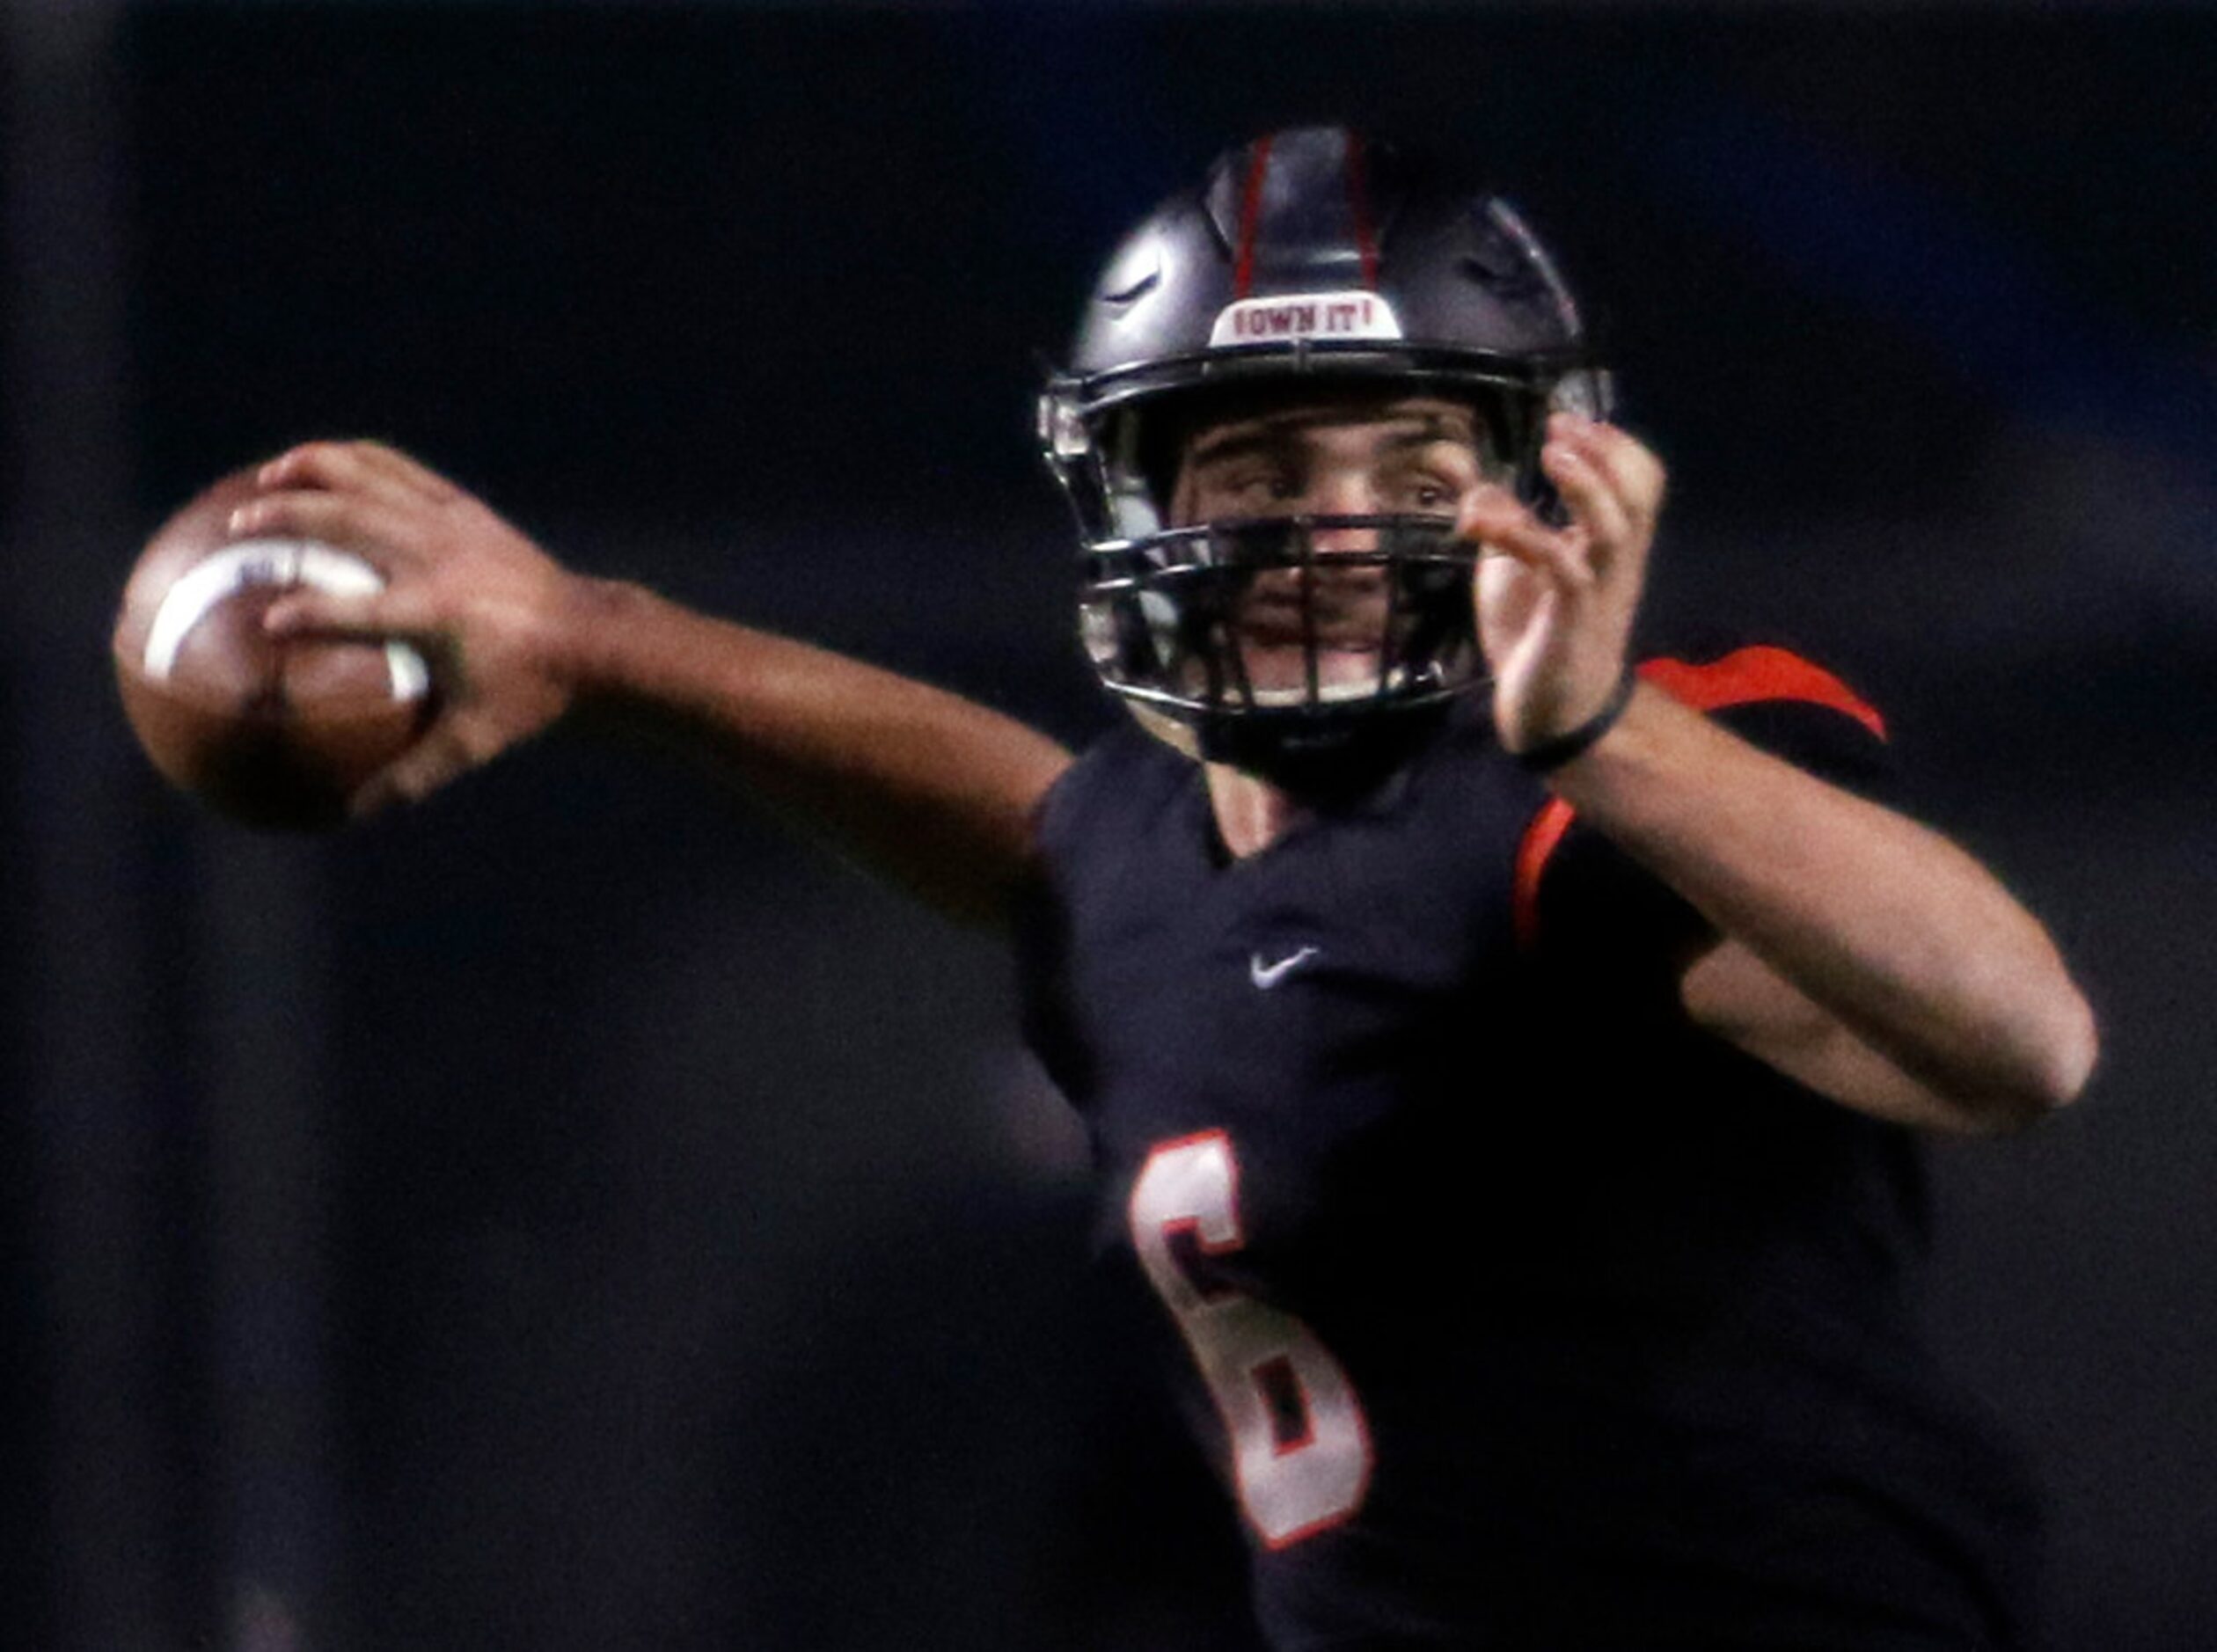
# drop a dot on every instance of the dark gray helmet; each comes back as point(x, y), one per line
point(1306, 260)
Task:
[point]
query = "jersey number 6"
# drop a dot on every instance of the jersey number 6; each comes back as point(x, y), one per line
point(1300, 1452)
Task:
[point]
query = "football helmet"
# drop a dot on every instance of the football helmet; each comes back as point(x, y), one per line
point(1306, 262)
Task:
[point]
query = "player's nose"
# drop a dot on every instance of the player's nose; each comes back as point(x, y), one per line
point(1343, 493)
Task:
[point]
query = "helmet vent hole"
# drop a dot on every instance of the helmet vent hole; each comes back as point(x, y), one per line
point(1137, 291)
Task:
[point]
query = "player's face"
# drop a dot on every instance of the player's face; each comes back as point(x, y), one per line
point(1344, 456)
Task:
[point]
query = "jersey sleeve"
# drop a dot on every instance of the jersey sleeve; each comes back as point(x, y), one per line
point(1041, 931)
point(1579, 897)
point(1091, 820)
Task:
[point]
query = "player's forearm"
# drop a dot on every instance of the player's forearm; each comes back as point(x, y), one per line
point(934, 792)
point(1910, 943)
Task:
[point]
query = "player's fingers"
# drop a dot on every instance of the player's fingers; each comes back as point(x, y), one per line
point(1630, 466)
point(410, 613)
point(379, 529)
point(1506, 597)
point(1499, 522)
point(340, 467)
point(307, 613)
point(1591, 496)
point(408, 472)
point(344, 614)
point(1492, 511)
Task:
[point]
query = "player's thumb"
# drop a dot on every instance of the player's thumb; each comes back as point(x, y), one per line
point(438, 758)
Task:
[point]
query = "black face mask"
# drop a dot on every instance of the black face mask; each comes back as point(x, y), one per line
point(1299, 663)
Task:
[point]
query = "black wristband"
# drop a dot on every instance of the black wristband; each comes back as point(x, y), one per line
point(1553, 754)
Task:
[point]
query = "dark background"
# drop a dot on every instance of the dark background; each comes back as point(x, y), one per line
point(571, 1215)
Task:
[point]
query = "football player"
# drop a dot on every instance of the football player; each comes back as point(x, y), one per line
point(1502, 1057)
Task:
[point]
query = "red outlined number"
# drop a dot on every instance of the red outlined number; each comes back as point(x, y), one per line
point(1300, 1450)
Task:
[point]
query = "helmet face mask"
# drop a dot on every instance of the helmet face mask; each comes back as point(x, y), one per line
point(1244, 616)
point(1310, 266)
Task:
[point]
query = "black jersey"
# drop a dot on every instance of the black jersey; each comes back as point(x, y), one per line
point(1514, 1310)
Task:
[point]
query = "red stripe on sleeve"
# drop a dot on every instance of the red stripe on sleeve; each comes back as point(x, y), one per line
point(1749, 674)
point(1250, 216)
point(1539, 842)
point(1744, 678)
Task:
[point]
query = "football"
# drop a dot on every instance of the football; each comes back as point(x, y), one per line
point(272, 732)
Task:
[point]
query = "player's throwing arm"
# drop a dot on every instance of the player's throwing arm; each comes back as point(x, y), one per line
point(935, 791)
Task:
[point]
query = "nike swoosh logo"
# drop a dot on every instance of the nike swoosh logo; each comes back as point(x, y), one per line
point(1267, 975)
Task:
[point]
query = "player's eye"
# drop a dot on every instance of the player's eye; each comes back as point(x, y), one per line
point(1258, 487)
point(1424, 492)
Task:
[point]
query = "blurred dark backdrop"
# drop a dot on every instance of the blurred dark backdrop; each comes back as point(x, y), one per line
point(572, 1215)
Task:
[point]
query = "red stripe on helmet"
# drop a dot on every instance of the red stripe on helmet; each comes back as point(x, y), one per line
point(1250, 216)
point(1358, 209)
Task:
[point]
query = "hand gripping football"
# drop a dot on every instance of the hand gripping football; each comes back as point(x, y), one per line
point(272, 732)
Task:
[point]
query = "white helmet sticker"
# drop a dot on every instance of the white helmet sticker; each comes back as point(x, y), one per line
point(1344, 315)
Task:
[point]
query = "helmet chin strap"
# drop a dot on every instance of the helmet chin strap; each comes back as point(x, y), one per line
point(1336, 763)
point(1324, 760)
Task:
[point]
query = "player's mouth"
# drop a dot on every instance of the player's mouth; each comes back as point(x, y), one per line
point(1275, 629)
point(1343, 610)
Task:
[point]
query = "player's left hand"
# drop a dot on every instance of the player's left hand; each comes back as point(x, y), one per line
point(1555, 604)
